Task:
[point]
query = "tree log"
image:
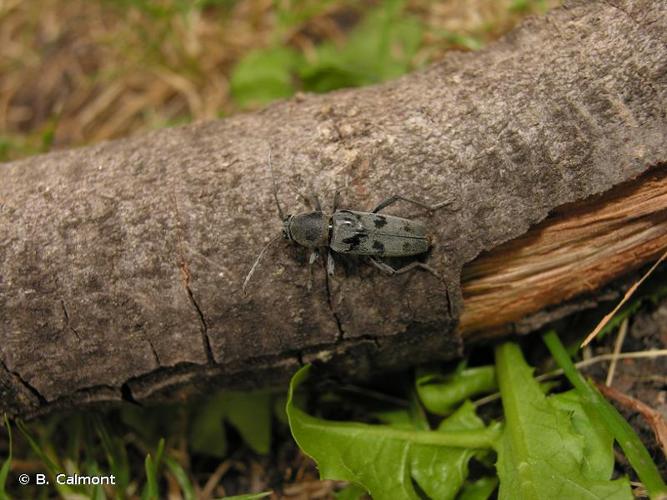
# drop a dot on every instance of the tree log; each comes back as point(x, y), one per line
point(121, 264)
point(577, 250)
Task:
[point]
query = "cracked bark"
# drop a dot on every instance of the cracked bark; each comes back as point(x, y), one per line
point(562, 111)
point(13, 386)
point(156, 357)
point(67, 322)
point(332, 307)
point(206, 342)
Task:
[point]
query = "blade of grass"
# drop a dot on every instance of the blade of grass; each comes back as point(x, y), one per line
point(151, 465)
point(96, 492)
point(250, 496)
point(187, 489)
point(52, 468)
point(150, 490)
point(37, 449)
point(634, 449)
point(653, 418)
point(4, 471)
point(115, 453)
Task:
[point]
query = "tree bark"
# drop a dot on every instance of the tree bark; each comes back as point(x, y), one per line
point(121, 264)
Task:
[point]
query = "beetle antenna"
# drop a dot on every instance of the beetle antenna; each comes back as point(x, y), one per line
point(275, 188)
point(256, 263)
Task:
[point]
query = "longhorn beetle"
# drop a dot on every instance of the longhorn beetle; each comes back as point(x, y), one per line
point(350, 232)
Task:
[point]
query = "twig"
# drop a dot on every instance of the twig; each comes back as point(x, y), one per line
point(625, 298)
point(215, 478)
point(617, 350)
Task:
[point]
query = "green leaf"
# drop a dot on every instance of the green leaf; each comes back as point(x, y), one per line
point(207, 432)
point(150, 423)
point(441, 471)
point(416, 410)
point(598, 441)
point(440, 393)
point(598, 408)
point(519, 6)
point(399, 418)
point(4, 470)
point(351, 492)
point(452, 463)
point(381, 47)
point(384, 459)
point(248, 412)
point(263, 76)
point(279, 402)
point(524, 6)
point(541, 454)
point(411, 417)
point(479, 490)
point(295, 13)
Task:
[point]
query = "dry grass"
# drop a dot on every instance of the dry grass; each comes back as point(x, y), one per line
point(80, 71)
point(94, 70)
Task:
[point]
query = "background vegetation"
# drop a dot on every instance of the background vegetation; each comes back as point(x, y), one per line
point(80, 71)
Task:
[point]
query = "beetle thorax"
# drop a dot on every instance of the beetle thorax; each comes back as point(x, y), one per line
point(309, 229)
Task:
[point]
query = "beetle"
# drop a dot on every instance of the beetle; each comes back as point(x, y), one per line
point(350, 232)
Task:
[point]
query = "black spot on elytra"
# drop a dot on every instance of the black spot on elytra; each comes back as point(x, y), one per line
point(355, 241)
point(407, 228)
point(379, 221)
point(407, 247)
point(379, 246)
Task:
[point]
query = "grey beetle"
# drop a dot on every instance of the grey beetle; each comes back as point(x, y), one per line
point(350, 232)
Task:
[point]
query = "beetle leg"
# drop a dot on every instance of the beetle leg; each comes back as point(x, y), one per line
point(316, 202)
point(386, 268)
point(393, 199)
point(311, 260)
point(336, 200)
point(330, 264)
